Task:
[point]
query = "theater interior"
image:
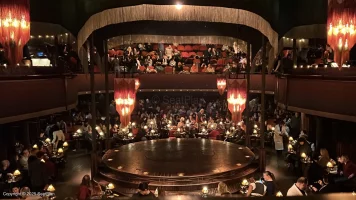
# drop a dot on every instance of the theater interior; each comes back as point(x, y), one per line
point(177, 99)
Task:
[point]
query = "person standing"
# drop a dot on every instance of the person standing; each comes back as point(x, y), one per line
point(280, 131)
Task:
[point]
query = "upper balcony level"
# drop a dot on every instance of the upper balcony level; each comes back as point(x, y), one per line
point(326, 95)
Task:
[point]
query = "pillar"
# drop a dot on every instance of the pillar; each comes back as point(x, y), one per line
point(263, 109)
point(295, 52)
point(248, 123)
point(107, 100)
point(318, 132)
point(304, 125)
point(25, 137)
point(93, 110)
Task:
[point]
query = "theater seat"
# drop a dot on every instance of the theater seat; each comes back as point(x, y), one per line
point(168, 70)
point(192, 54)
point(144, 53)
point(120, 52)
point(220, 62)
point(185, 55)
point(187, 69)
point(181, 48)
point(201, 54)
point(213, 134)
point(195, 48)
point(188, 48)
point(112, 53)
point(142, 68)
point(203, 48)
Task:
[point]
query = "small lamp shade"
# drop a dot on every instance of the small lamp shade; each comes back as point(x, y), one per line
point(35, 146)
point(65, 144)
point(48, 140)
point(205, 190)
point(329, 165)
point(130, 134)
point(60, 150)
point(279, 194)
point(272, 129)
point(303, 155)
point(227, 132)
point(153, 131)
point(291, 139)
point(244, 182)
point(79, 131)
point(290, 147)
point(42, 160)
point(17, 173)
point(101, 133)
point(51, 188)
point(255, 126)
point(145, 127)
point(255, 131)
point(111, 186)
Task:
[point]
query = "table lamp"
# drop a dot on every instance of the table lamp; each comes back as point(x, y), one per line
point(51, 188)
point(17, 173)
point(303, 155)
point(65, 144)
point(48, 140)
point(290, 139)
point(130, 135)
point(244, 182)
point(290, 147)
point(111, 186)
point(60, 150)
point(329, 165)
point(205, 191)
point(272, 128)
point(255, 126)
point(145, 127)
point(35, 146)
point(279, 194)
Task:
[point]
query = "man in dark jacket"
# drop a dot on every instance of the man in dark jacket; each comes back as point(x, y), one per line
point(38, 174)
point(143, 192)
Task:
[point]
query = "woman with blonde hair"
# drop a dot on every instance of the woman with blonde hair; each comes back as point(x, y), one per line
point(324, 158)
point(223, 190)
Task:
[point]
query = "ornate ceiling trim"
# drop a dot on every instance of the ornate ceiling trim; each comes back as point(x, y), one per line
point(170, 39)
point(171, 13)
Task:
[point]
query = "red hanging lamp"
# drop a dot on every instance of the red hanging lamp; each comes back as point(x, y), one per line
point(14, 28)
point(236, 98)
point(221, 85)
point(125, 97)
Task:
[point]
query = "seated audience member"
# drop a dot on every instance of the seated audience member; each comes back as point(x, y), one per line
point(24, 159)
point(210, 69)
point(270, 182)
point(349, 168)
point(223, 190)
point(194, 69)
point(303, 146)
point(179, 68)
point(324, 158)
point(143, 192)
point(5, 170)
point(256, 189)
point(85, 188)
point(299, 188)
point(322, 186)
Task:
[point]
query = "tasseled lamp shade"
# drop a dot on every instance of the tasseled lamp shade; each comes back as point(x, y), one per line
point(14, 28)
point(341, 28)
point(236, 98)
point(125, 97)
point(221, 85)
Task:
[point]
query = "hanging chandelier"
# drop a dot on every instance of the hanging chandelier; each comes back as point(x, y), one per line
point(14, 28)
point(221, 85)
point(125, 97)
point(236, 98)
point(341, 34)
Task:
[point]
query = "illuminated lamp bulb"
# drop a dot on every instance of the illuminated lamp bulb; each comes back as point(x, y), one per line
point(295, 66)
point(17, 173)
point(290, 139)
point(290, 147)
point(145, 127)
point(51, 188)
point(169, 122)
point(203, 130)
point(205, 190)
point(301, 67)
point(130, 134)
point(316, 66)
point(60, 150)
point(178, 129)
point(35, 146)
point(101, 133)
point(211, 126)
point(255, 126)
point(239, 123)
point(279, 194)
point(48, 140)
point(220, 123)
point(179, 6)
point(153, 131)
point(329, 165)
point(255, 131)
point(244, 182)
point(42, 160)
point(325, 66)
point(79, 131)
point(227, 132)
point(272, 128)
point(65, 144)
point(110, 186)
point(303, 155)
point(151, 122)
point(133, 124)
point(97, 128)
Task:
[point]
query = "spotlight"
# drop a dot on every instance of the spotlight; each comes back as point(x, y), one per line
point(179, 6)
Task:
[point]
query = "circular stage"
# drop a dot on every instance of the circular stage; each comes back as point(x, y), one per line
point(177, 164)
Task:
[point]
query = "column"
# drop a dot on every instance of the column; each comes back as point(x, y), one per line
point(304, 122)
point(318, 132)
point(295, 52)
point(107, 100)
point(25, 139)
point(263, 110)
point(248, 123)
point(93, 110)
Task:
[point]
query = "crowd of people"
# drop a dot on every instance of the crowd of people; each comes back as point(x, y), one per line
point(143, 58)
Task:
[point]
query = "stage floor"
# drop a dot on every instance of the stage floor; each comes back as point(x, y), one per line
point(179, 157)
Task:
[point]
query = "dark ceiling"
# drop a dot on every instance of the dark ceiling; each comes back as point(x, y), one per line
point(282, 14)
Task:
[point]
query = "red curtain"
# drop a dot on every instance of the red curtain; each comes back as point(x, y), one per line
point(236, 97)
point(125, 97)
point(14, 28)
point(341, 26)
